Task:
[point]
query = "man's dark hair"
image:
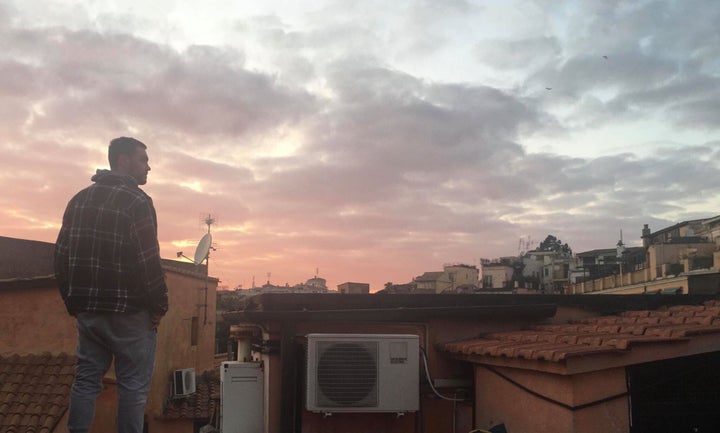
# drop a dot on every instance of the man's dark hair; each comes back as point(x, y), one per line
point(122, 146)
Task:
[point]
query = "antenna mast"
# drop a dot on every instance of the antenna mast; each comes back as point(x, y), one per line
point(202, 254)
point(209, 220)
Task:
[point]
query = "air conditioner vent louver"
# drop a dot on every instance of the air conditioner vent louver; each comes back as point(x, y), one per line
point(347, 374)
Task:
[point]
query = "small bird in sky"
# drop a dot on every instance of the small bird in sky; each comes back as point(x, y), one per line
point(605, 57)
point(548, 88)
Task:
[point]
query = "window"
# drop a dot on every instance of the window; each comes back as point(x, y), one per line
point(195, 324)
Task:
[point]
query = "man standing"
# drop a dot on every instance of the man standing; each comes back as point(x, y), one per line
point(108, 268)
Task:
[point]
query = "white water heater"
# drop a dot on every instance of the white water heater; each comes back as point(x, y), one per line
point(241, 397)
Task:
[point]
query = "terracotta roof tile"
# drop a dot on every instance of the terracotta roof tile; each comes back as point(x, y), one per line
point(596, 335)
point(672, 320)
point(35, 391)
point(565, 352)
point(676, 308)
point(644, 313)
point(648, 320)
point(709, 311)
point(660, 314)
point(700, 320)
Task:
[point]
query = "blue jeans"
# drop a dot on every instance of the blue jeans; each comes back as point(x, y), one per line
point(131, 340)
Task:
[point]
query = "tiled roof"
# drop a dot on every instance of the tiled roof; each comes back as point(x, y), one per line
point(203, 404)
point(596, 335)
point(34, 391)
point(22, 258)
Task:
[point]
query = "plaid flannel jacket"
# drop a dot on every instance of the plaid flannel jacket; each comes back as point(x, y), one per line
point(107, 256)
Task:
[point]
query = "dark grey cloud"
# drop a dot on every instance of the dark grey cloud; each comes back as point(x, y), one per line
point(660, 56)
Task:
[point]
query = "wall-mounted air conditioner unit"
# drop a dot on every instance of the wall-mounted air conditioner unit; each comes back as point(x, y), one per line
point(362, 373)
point(183, 382)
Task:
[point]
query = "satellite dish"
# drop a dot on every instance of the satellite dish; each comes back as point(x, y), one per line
point(203, 248)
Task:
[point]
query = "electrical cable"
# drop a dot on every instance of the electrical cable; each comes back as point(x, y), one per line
point(551, 400)
point(429, 379)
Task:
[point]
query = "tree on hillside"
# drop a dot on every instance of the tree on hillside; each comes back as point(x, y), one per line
point(553, 244)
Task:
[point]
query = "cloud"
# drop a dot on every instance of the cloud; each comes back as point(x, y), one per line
point(329, 141)
point(519, 53)
point(118, 81)
point(634, 60)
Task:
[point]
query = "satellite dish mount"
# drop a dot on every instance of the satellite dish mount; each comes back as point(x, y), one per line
point(202, 252)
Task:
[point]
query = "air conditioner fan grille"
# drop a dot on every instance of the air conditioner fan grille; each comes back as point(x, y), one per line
point(347, 374)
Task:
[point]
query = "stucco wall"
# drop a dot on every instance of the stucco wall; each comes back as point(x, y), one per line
point(672, 253)
point(186, 296)
point(464, 275)
point(500, 275)
point(34, 320)
point(500, 401)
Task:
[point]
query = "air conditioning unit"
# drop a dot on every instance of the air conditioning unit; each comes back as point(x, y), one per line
point(183, 382)
point(362, 373)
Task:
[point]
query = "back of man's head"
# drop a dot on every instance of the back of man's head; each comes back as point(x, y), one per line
point(122, 146)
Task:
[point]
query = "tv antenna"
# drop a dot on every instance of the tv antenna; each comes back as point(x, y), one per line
point(524, 244)
point(202, 254)
point(202, 251)
point(209, 220)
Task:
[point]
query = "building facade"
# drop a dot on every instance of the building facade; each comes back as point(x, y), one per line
point(33, 321)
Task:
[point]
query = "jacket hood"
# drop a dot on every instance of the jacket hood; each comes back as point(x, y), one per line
point(108, 177)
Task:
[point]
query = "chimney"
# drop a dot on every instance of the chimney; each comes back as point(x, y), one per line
point(646, 236)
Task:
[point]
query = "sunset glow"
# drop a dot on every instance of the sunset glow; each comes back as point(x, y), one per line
point(367, 141)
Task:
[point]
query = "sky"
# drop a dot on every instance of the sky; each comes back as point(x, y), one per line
point(366, 141)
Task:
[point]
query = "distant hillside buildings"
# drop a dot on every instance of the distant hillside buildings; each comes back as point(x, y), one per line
point(683, 258)
point(687, 251)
